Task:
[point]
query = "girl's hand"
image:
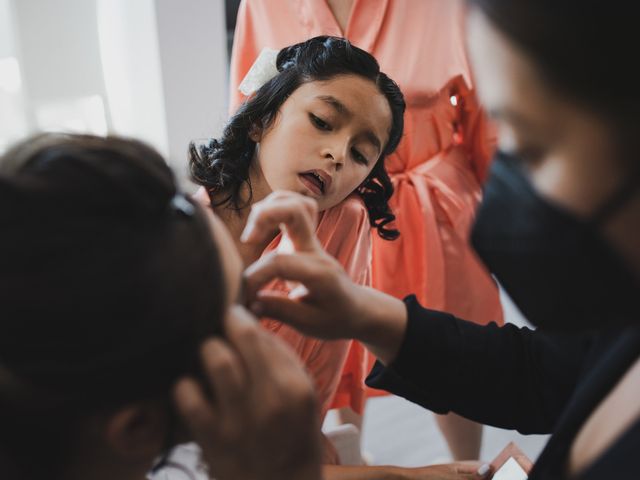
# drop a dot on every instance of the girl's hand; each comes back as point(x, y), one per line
point(330, 306)
point(260, 420)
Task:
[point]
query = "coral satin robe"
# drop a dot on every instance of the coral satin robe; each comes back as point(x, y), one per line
point(439, 165)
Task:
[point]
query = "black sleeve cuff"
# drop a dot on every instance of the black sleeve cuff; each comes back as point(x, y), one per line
point(416, 359)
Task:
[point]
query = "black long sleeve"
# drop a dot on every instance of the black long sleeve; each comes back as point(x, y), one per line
point(508, 377)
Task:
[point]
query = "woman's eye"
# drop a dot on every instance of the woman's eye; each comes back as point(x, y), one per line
point(359, 157)
point(319, 123)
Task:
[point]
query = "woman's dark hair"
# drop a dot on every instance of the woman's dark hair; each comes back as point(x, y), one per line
point(222, 165)
point(584, 49)
point(109, 281)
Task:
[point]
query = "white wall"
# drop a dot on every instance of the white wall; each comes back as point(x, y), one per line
point(7, 47)
point(151, 69)
point(192, 40)
point(59, 50)
point(13, 116)
point(130, 55)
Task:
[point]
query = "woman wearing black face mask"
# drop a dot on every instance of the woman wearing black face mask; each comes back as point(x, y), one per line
point(559, 227)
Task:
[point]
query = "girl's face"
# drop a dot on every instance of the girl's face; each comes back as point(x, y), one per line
point(325, 139)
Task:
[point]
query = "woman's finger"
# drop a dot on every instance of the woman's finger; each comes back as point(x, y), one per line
point(257, 347)
point(225, 373)
point(292, 212)
point(308, 203)
point(296, 313)
point(197, 411)
point(309, 270)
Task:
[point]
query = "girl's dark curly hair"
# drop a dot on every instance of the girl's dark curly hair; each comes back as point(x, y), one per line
point(222, 165)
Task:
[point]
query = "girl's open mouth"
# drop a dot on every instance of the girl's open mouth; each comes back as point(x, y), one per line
point(317, 181)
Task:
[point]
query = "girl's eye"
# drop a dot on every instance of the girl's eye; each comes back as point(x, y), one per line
point(319, 123)
point(358, 157)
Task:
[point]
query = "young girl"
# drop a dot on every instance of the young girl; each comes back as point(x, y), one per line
point(438, 168)
point(322, 127)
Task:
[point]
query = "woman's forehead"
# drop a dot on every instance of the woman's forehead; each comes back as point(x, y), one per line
point(509, 86)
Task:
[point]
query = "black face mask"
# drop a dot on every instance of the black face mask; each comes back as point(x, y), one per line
point(556, 267)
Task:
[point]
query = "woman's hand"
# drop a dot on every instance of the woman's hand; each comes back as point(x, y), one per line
point(260, 420)
point(330, 306)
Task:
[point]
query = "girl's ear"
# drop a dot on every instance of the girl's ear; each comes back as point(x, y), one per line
point(255, 132)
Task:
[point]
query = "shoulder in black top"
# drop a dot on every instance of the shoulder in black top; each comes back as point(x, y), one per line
point(516, 378)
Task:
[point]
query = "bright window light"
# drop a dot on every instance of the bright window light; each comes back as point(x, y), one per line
point(80, 115)
point(10, 81)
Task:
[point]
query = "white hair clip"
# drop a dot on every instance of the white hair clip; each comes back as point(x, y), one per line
point(262, 70)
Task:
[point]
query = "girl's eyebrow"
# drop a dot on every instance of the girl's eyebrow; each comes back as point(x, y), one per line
point(342, 109)
point(336, 104)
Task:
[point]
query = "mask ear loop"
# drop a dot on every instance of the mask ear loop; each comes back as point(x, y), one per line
point(617, 200)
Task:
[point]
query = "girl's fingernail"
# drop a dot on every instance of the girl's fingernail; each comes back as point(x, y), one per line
point(483, 471)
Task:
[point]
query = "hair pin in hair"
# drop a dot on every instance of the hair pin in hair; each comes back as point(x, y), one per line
point(263, 69)
point(180, 204)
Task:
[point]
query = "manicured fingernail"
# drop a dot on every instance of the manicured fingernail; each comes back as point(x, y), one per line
point(483, 471)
